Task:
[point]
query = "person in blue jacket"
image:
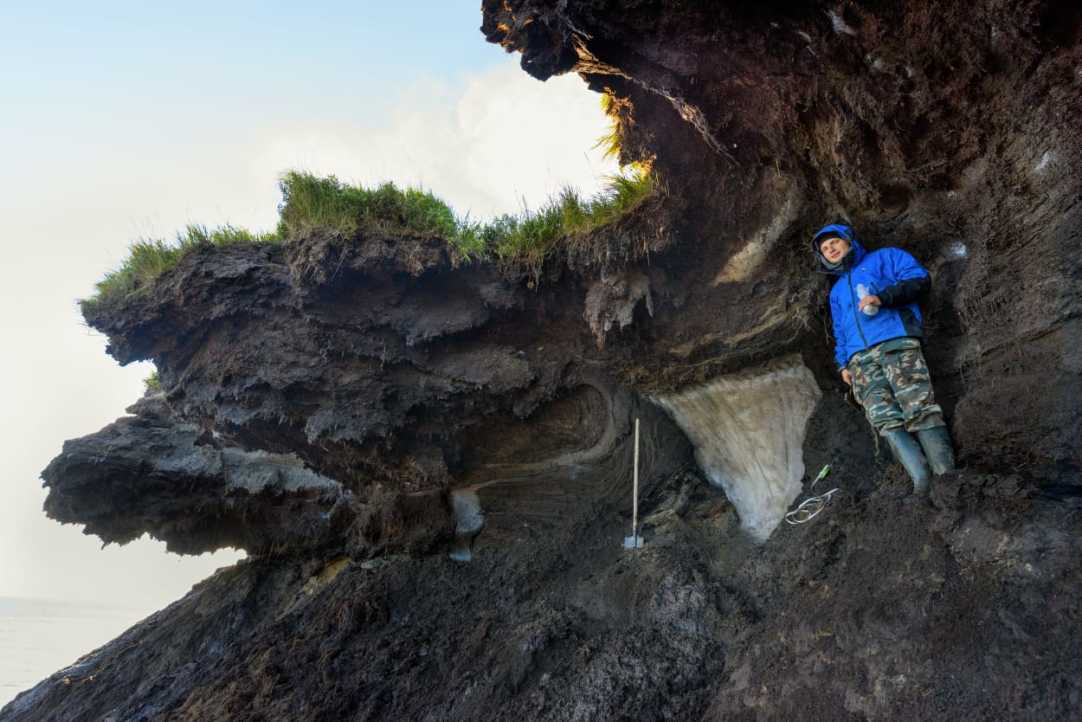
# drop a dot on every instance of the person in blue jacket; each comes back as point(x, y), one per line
point(877, 347)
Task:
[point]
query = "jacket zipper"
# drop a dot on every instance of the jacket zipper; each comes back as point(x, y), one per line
point(856, 314)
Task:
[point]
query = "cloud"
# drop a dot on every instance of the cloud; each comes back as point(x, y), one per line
point(502, 141)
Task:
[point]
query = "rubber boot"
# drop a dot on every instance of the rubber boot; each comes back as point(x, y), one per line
point(936, 443)
point(907, 451)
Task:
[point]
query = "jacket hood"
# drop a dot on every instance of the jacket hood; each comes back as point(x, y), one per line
point(851, 259)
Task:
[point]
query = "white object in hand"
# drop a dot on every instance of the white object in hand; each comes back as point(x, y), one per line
point(871, 309)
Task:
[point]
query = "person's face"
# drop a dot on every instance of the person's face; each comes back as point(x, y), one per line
point(834, 249)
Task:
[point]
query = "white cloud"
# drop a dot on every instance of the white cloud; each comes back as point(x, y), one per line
point(504, 140)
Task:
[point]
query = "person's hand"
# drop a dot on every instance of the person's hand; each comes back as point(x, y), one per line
point(847, 377)
point(870, 301)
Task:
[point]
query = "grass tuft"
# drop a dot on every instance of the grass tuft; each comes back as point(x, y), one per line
point(310, 203)
point(618, 111)
point(150, 258)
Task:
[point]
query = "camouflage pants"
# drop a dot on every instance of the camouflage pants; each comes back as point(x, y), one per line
point(892, 383)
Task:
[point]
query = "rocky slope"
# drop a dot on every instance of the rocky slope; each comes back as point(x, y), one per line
point(351, 410)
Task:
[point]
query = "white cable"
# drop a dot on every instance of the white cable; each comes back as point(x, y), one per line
point(809, 508)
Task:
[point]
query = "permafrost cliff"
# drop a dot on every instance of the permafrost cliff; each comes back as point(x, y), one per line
point(352, 410)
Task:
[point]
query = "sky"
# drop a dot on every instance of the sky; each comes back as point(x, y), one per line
point(121, 121)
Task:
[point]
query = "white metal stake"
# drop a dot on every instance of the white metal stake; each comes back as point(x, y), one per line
point(634, 541)
point(635, 486)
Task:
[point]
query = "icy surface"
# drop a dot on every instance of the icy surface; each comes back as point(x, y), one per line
point(957, 249)
point(1046, 159)
point(838, 23)
point(748, 432)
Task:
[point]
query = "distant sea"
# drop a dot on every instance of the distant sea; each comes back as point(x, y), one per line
point(42, 636)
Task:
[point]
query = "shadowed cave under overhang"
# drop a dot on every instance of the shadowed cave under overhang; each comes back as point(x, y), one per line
point(746, 431)
point(575, 453)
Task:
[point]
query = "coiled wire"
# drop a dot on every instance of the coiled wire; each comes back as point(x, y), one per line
point(810, 507)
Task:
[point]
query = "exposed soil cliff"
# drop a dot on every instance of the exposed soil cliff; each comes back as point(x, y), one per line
point(349, 410)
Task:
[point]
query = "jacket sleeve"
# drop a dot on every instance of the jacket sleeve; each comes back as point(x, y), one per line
point(839, 334)
point(907, 278)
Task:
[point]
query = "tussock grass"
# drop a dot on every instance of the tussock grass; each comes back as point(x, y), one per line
point(150, 258)
point(311, 204)
point(530, 236)
point(611, 142)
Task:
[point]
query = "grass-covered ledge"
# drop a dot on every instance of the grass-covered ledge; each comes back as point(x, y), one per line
point(312, 204)
point(149, 258)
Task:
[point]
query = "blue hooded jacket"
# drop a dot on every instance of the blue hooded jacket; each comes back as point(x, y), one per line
point(890, 273)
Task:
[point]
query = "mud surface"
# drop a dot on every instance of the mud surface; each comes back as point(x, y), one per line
point(879, 608)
